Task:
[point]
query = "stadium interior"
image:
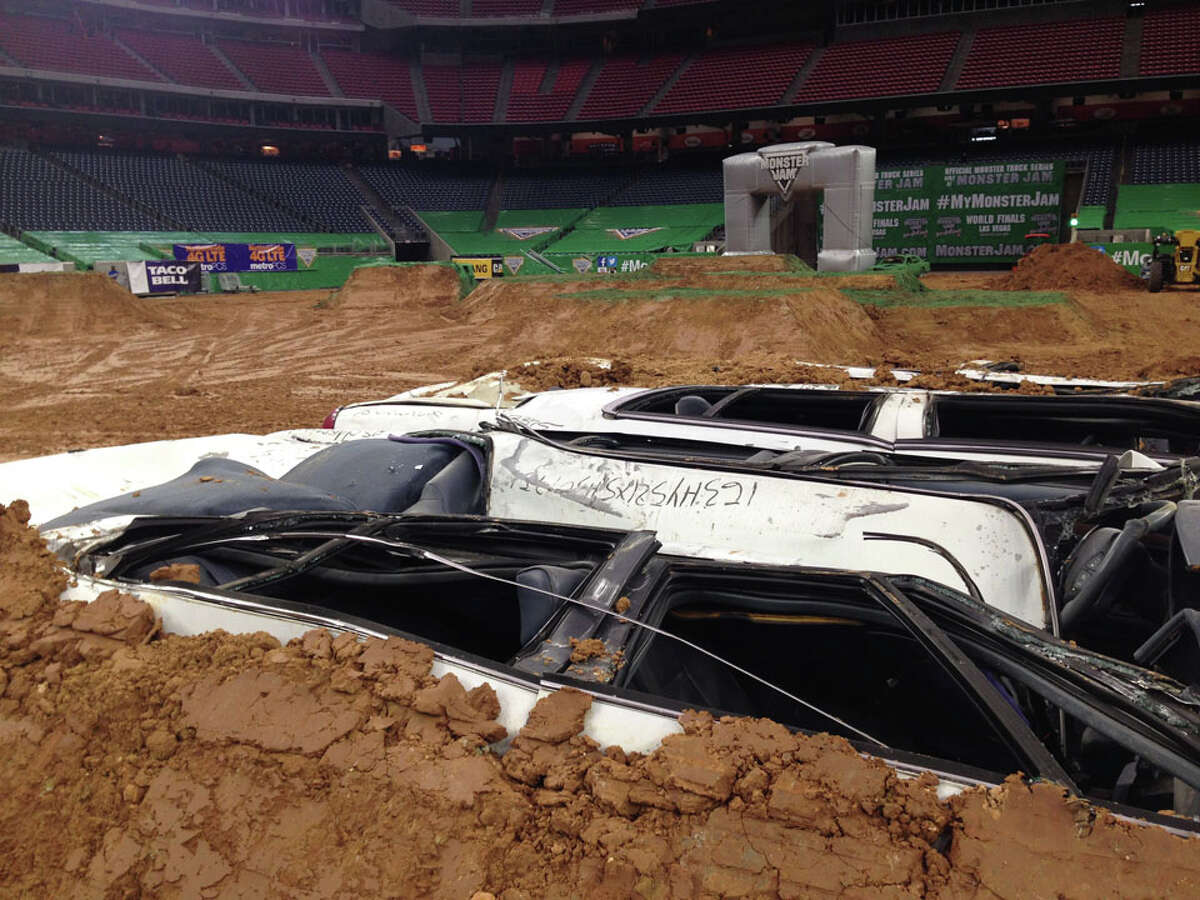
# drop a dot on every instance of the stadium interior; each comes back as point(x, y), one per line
point(417, 129)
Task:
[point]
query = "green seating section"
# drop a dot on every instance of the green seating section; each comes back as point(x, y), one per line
point(462, 230)
point(1161, 207)
point(537, 218)
point(1091, 216)
point(346, 243)
point(85, 247)
point(13, 251)
point(579, 231)
point(675, 227)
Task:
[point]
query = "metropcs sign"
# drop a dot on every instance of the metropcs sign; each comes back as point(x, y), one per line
point(784, 165)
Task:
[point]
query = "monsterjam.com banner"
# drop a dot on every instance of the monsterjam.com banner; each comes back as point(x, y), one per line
point(239, 257)
point(967, 213)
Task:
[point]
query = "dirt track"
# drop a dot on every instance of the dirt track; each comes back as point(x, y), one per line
point(226, 765)
point(82, 363)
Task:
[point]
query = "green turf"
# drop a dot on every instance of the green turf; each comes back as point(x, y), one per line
point(929, 298)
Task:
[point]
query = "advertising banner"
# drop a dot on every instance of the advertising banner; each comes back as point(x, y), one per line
point(902, 205)
point(609, 264)
point(239, 257)
point(482, 267)
point(966, 213)
point(160, 277)
point(166, 277)
point(1131, 256)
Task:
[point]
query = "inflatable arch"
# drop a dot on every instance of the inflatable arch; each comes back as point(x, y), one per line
point(846, 174)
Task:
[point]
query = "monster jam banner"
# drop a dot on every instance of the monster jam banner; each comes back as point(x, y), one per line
point(609, 264)
point(1131, 256)
point(902, 205)
point(239, 257)
point(967, 213)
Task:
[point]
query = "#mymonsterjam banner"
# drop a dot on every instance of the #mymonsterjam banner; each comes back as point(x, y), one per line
point(966, 213)
point(239, 257)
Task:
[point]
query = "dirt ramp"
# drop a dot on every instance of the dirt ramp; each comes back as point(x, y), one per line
point(530, 321)
point(75, 304)
point(695, 265)
point(425, 290)
point(989, 332)
point(1068, 267)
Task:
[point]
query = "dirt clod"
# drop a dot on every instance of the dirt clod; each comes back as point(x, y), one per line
point(188, 572)
point(588, 648)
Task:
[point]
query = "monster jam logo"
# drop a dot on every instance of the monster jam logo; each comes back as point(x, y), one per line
point(524, 234)
point(784, 166)
point(627, 233)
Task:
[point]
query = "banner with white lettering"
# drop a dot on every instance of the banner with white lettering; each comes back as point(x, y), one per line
point(162, 277)
point(966, 213)
point(166, 277)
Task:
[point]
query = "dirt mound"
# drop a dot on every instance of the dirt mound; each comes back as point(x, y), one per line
point(75, 304)
point(533, 321)
point(1068, 267)
point(400, 290)
point(82, 363)
point(693, 265)
point(30, 577)
point(229, 765)
point(548, 374)
point(1037, 335)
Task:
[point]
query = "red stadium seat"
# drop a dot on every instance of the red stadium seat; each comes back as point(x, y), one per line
point(880, 68)
point(277, 68)
point(526, 103)
point(735, 77)
point(1081, 50)
point(625, 85)
point(61, 46)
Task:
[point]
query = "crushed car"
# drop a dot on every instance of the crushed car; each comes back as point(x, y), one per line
point(923, 676)
point(1098, 552)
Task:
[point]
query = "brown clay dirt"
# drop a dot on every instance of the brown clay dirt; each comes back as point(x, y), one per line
point(224, 765)
point(83, 363)
point(1074, 267)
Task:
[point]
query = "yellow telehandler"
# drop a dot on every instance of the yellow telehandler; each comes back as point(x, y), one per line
point(1174, 259)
